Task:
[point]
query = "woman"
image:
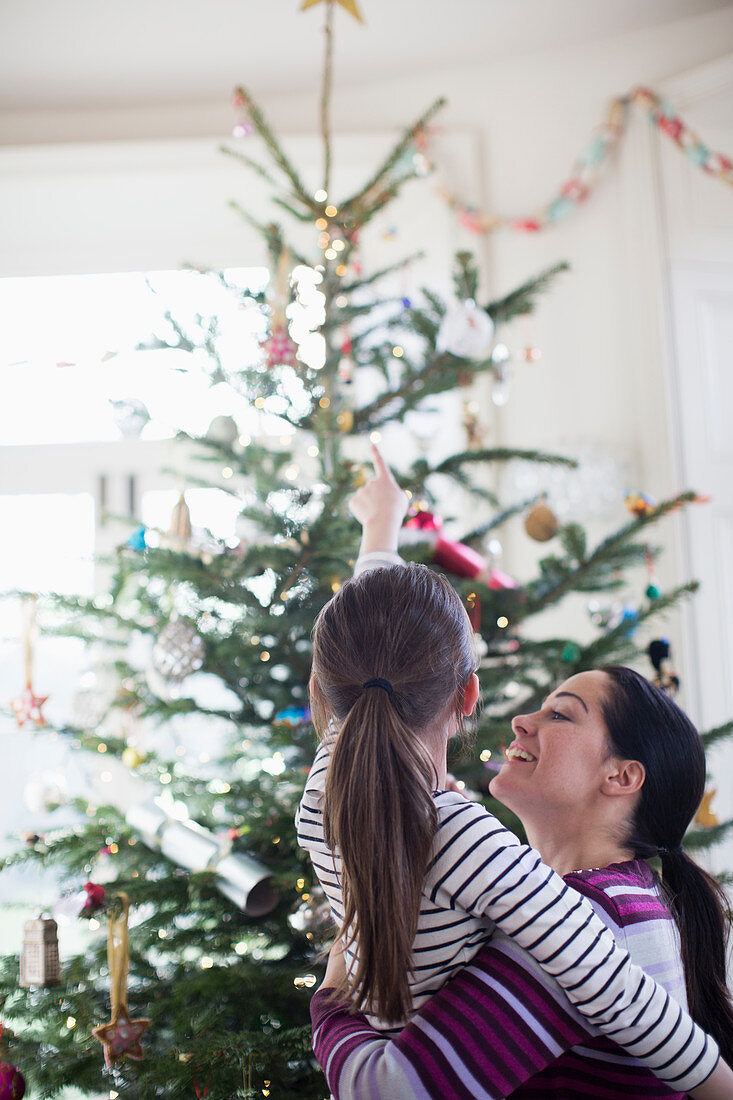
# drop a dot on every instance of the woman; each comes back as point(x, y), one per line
point(608, 772)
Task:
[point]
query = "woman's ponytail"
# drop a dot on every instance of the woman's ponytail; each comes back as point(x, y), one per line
point(645, 724)
point(379, 814)
point(699, 906)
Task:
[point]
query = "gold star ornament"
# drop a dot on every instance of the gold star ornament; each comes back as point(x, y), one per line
point(348, 5)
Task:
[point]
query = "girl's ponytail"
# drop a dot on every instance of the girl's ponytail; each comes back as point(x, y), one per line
point(379, 814)
point(392, 654)
point(699, 906)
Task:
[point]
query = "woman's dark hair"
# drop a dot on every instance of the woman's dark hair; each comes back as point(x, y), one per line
point(644, 724)
point(404, 625)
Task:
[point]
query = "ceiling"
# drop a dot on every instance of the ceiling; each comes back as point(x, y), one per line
point(73, 54)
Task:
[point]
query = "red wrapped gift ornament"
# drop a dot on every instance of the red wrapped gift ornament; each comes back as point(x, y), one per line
point(454, 557)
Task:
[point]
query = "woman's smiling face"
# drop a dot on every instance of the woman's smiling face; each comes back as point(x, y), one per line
point(559, 756)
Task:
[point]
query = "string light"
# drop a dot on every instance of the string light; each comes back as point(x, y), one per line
point(330, 254)
point(70, 1022)
point(320, 195)
point(264, 656)
point(227, 472)
point(259, 402)
point(339, 245)
point(485, 755)
point(240, 948)
point(324, 402)
point(101, 747)
point(245, 440)
point(166, 777)
point(375, 437)
point(331, 211)
point(162, 934)
point(206, 962)
point(398, 352)
point(313, 451)
point(502, 622)
point(342, 301)
point(341, 269)
point(321, 223)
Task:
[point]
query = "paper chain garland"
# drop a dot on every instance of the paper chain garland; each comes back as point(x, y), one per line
point(587, 168)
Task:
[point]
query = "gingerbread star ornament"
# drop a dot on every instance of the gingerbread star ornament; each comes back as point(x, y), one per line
point(348, 5)
point(121, 1037)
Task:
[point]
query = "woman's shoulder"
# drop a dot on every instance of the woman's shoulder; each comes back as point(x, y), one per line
point(628, 892)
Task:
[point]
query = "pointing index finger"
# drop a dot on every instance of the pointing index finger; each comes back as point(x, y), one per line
point(381, 469)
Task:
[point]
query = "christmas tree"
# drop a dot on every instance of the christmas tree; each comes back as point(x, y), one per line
point(199, 858)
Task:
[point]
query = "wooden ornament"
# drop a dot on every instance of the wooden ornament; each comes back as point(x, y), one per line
point(541, 523)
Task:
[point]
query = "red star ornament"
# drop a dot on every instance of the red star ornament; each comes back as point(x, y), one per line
point(121, 1037)
point(27, 707)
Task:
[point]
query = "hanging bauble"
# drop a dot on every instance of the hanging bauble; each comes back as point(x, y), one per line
point(39, 959)
point(179, 650)
point(640, 504)
point(95, 899)
point(223, 429)
point(706, 816)
point(531, 355)
point(570, 653)
point(279, 348)
point(133, 757)
point(130, 416)
point(12, 1082)
point(292, 717)
point(652, 591)
point(347, 366)
point(46, 791)
point(541, 523)
point(345, 421)
point(466, 331)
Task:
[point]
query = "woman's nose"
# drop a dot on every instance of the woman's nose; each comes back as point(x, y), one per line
point(523, 723)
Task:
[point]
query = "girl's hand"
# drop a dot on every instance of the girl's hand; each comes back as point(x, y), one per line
point(336, 968)
point(380, 506)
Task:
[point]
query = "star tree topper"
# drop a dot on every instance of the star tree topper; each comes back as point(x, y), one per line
point(348, 5)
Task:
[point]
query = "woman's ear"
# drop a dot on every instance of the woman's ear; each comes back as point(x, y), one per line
point(315, 691)
point(627, 777)
point(470, 695)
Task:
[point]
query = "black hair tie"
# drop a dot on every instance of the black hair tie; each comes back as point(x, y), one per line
point(678, 850)
point(378, 682)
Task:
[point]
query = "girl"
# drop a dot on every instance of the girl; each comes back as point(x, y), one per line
point(417, 876)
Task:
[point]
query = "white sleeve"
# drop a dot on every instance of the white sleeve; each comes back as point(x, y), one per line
point(481, 868)
point(376, 559)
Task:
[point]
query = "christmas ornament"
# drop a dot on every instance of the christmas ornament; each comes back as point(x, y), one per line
point(223, 429)
point(455, 557)
point(706, 817)
point(130, 416)
point(239, 877)
point(497, 579)
point(293, 717)
point(500, 375)
point(660, 655)
point(345, 421)
point(27, 706)
point(570, 653)
point(541, 523)
point(466, 331)
point(95, 896)
point(179, 532)
point(12, 1082)
point(244, 125)
point(474, 435)
point(280, 350)
point(136, 540)
point(39, 959)
point(179, 650)
point(133, 756)
point(121, 1037)
point(46, 791)
point(531, 355)
point(348, 5)
point(652, 591)
point(640, 504)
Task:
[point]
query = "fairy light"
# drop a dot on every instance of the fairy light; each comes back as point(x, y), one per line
point(300, 884)
point(305, 981)
point(245, 440)
point(113, 1095)
point(241, 948)
point(398, 352)
point(375, 437)
point(331, 211)
point(485, 755)
point(93, 924)
point(341, 269)
point(292, 472)
point(335, 586)
point(166, 778)
point(227, 472)
point(286, 440)
point(324, 402)
point(259, 402)
point(70, 1022)
point(276, 840)
point(313, 451)
point(502, 622)
point(132, 841)
point(324, 240)
point(320, 195)
point(321, 223)
point(330, 254)
point(101, 747)
point(113, 849)
point(162, 933)
point(106, 777)
point(342, 301)
point(264, 656)
point(206, 962)
point(339, 245)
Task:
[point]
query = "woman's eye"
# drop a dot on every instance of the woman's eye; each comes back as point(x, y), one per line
point(556, 714)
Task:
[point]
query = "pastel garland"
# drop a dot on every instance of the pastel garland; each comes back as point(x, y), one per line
point(587, 168)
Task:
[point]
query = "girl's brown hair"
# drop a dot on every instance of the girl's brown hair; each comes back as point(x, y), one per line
point(406, 625)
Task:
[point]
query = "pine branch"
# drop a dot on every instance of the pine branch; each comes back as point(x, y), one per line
point(720, 733)
point(523, 300)
point(359, 199)
point(276, 151)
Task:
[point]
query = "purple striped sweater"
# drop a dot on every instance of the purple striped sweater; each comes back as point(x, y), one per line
point(503, 1027)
